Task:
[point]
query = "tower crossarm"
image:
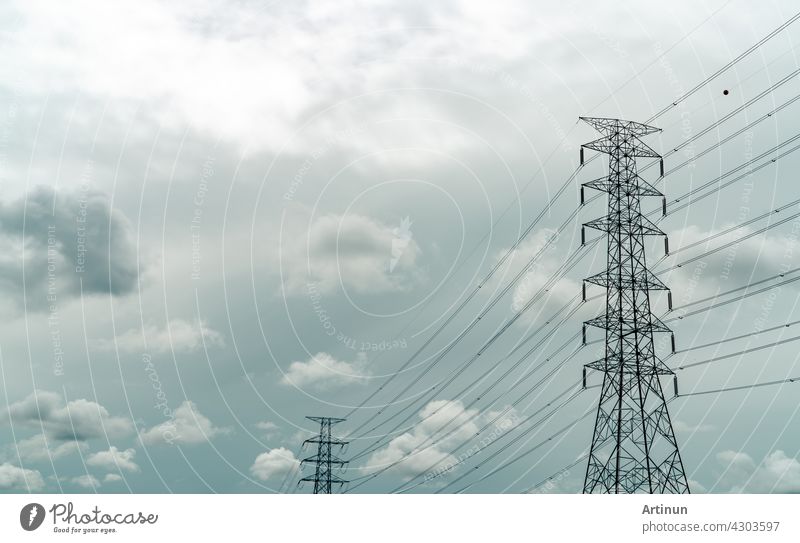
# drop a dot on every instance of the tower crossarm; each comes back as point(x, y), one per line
point(608, 126)
point(640, 188)
point(331, 441)
point(316, 458)
point(644, 280)
point(628, 224)
point(612, 322)
point(657, 368)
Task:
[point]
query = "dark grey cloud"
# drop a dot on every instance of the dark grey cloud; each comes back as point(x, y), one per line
point(76, 420)
point(57, 242)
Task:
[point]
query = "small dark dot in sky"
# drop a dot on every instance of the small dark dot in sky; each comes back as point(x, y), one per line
point(725, 92)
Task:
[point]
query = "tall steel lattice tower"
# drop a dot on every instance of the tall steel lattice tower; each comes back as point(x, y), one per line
point(633, 447)
point(324, 461)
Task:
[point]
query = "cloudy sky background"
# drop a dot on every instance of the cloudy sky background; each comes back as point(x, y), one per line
point(221, 217)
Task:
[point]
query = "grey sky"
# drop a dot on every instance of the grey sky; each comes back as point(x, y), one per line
point(283, 200)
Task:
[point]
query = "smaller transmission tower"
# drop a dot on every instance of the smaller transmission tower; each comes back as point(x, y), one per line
point(324, 461)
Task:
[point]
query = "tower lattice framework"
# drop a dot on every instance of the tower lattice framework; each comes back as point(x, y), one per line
point(633, 446)
point(324, 461)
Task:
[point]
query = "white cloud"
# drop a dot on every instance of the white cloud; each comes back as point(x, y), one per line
point(102, 52)
point(696, 487)
point(268, 428)
point(16, 478)
point(188, 427)
point(76, 420)
point(352, 251)
point(732, 266)
point(86, 481)
point(95, 49)
point(684, 427)
point(776, 473)
point(275, 462)
point(543, 245)
point(322, 370)
point(114, 459)
point(39, 449)
point(112, 478)
point(177, 335)
point(425, 445)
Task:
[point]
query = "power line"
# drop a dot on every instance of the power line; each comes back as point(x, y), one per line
point(424, 445)
point(508, 445)
point(289, 474)
point(741, 108)
point(558, 194)
point(429, 468)
point(555, 475)
point(518, 457)
point(487, 343)
point(565, 184)
point(520, 424)
point(706, 309)
point(483, 312)
point(698, 393)
point(736, 338)
point(741, 387)
point(549, 205)
point(541, 421)
point(725, 302)
point(738, 353)
point(545, 210)
point(726, 67)
point(702, 310)
point(737, 227)
point(493, 422)
point(733, 242)
point(737, 289)
point(660, 56)
point(667, 269)
point(740, 177)
point(529, 451)
point(736, 299)
point(732, 136)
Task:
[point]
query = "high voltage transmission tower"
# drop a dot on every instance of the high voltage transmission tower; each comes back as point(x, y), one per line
point(633, 447)
point(324, 461)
